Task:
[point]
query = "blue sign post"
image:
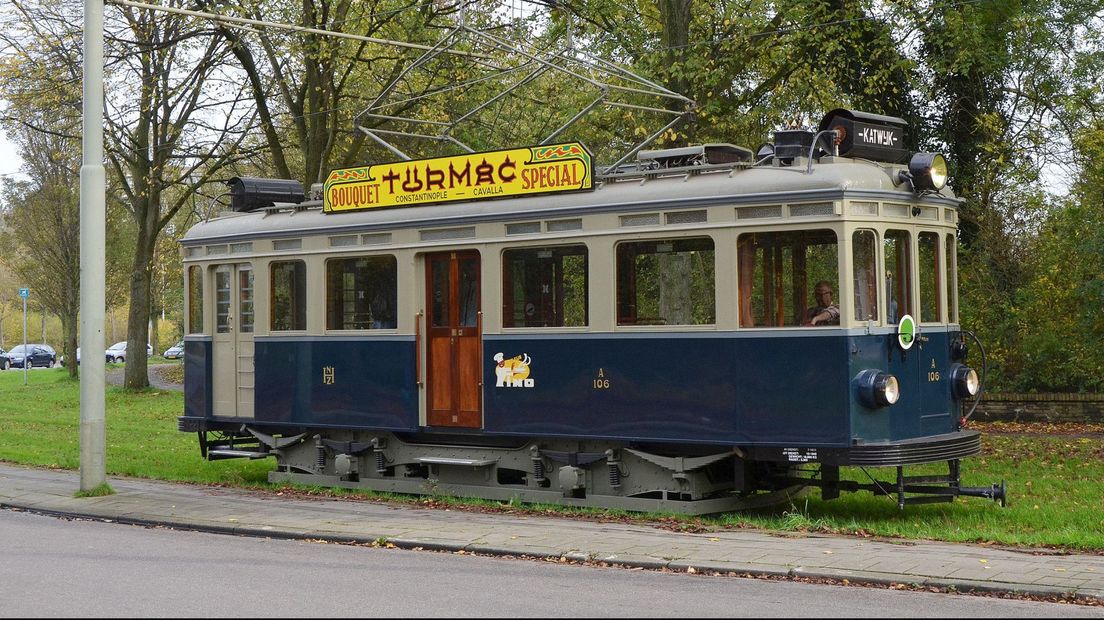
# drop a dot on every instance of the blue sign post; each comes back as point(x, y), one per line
point(25, 293)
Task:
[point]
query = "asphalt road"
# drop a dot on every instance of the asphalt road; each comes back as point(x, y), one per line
point(53, 567)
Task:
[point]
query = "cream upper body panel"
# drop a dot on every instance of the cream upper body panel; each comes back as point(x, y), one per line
point(666, 189)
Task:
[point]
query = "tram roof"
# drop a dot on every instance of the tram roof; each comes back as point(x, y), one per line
point(663, 189)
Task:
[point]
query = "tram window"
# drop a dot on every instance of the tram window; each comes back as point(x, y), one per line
point(544, 287)
point(468, 290)
point(864, 259)
point(441, 302)
point(666, 282)
point(289, 295)
point(898, 266)
point(779, 274)
point(362, 293)
point(952, 288)
point(222, 300)
point(245, 299)
point(195, 300)
point(931, 282)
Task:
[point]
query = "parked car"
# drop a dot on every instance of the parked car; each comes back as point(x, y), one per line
point(34, 354)
point(5, 361)
point(117, 352)
point(64, 362)
point(174, 352)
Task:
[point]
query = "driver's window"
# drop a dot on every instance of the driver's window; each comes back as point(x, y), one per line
point(898, 265)
point(865, 279)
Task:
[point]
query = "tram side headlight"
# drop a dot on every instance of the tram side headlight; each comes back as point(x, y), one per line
point(877, 389)
point(927, 172)
point(964, 381)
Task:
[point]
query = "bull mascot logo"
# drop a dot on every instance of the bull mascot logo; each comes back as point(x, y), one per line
point(513, 372)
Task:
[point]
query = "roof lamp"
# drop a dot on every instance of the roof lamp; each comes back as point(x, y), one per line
point(928, 172)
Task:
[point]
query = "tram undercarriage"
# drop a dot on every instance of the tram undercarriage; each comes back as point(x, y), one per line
point(589, 473)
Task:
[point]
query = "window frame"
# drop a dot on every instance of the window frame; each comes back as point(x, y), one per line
point(938, 285)
point(950, 252)
point(328, 300)
point(878, 316)
point(194, 291)
point(745, 304)
point(615, 281)
point(506, 290)
point(272, 288)
point(910, 287)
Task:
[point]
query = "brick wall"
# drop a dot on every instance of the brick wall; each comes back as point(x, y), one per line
point(1041, 408)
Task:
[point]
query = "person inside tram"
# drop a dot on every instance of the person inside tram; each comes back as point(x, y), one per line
point(826, 311)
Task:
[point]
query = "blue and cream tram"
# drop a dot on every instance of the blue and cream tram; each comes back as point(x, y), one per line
point(707, 330)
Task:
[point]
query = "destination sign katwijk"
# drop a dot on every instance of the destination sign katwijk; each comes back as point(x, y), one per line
point(493, 174)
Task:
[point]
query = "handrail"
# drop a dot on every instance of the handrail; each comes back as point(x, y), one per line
point(418, 348)
point(479, 334)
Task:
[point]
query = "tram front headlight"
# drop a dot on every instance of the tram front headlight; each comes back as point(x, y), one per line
point(877, 389)
point(965, 381)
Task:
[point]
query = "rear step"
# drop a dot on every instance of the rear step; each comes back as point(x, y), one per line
point(218, 454)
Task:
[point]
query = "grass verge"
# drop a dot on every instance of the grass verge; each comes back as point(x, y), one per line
point(1053, 478)
point(102, 490)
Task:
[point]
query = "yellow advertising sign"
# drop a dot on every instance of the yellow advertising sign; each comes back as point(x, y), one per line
point(494, 174)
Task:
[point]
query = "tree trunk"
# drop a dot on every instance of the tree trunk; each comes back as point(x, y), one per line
point(675, 38)
point(136, 376)
point(674, 289)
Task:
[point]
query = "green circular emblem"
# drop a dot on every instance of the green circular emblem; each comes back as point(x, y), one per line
point(906, 332)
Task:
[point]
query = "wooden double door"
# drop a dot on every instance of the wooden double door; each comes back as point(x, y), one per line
point(454, 349)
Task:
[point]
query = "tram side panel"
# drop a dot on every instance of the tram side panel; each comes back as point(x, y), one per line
point(701, 389)
point(351, 383)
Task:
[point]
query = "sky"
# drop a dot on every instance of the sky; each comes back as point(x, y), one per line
point(10, 161)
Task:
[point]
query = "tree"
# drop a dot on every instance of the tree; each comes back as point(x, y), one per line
point(161, 139)
point(43, 224)
point(308, 87)
point(42, 215)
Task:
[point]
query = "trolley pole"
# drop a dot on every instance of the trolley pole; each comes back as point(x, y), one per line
point(93, 438)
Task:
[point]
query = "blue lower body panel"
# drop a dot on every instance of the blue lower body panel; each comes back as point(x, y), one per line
point(710, 389)
point(766, 389)
point(329, 382)
point(197, 377)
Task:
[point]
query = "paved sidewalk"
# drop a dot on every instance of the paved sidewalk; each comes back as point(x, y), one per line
point(965, 567)
point(114, 376)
